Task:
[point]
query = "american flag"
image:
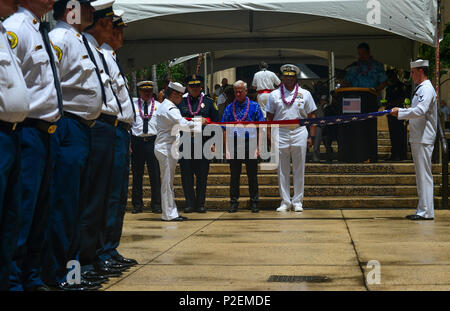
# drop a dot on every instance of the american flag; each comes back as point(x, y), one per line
point(351, 105)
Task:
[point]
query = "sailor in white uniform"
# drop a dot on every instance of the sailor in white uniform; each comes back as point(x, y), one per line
point(167, 118)
point(264, 81)
point(291, 102)
point(422, 118)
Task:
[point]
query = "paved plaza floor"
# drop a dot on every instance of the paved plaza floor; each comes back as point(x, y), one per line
point(313, 250)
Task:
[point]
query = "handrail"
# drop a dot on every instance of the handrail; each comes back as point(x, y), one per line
point(444, 162)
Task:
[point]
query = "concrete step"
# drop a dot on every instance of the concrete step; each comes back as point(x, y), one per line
point(312, 179)
point(310, 191)
point(310, 202)
point(341, 168)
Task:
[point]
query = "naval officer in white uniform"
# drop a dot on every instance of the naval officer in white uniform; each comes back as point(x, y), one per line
point(291, 102)
point(422, 118)
point(167, 118)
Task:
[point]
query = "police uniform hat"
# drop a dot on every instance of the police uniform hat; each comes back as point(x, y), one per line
point(289, 70)
point(194, 80)
point(145, 85)
point(177, 87)
point(117, 20)
point(419, 63)
point(103, 8)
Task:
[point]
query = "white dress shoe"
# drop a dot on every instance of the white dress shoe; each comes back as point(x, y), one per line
point(298, 208)
point(283, 208)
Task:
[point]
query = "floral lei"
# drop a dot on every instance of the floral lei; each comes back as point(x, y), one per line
point(369, 66)
point(246, 112)
point(198, 106)
point(151, 109)
point(293, 97)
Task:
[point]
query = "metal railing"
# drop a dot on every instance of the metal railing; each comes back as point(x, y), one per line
point(444, 162)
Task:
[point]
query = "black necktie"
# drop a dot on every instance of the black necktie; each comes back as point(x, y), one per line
point(105, 65)
point(43, 28)
point(145, 129)
point(91, 56)
point(126, 86)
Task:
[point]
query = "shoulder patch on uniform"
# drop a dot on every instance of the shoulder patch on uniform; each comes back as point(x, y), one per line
point(13, 40)
point(58, 51)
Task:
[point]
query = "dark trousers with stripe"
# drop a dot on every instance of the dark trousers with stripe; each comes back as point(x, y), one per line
point(37, 158)
point(9, 202)
point(143, 152)
point(62, 241)
point(118, 197)
point(93, 216)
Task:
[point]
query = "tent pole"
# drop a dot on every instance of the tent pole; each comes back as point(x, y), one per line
point(206, 73)
point(154, 79)
point(211, 81)
point(331, 73)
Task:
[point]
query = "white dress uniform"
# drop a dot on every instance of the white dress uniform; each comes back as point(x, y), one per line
point(118, 85)
point(168, 116)
point(14, 95)
point(35, 63)
point(422, 118)
point(111, 107)
point(264, 81)
point(138, 125)
point(82, 94)
point(292, 142)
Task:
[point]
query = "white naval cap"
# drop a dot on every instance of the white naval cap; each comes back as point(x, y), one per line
point(177, 87)
point(103, 8)
point(419, 63)
point(145, 85)
point(289, 70)
point(117, 19)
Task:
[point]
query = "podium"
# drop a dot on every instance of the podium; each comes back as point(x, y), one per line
point(358, 141)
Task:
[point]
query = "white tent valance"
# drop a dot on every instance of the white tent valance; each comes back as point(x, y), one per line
point(160, 30)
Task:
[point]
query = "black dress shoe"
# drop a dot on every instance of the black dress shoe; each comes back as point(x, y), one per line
point(105, 271)
point(189, 209)
point(38, 288)
point(184, 217)
point(124, 260)
point(233, 209)
point(201, 209)
point(136, 210)
point(417, 217)
point(74, 287)
point(115, 265)
point(179, 218)
point(156, 210)
point(86, 283)
point(254, 208)
point(93, 276)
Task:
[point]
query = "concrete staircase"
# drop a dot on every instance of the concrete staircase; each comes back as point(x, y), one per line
point(374, 185)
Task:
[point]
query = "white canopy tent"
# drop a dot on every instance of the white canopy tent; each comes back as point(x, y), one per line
point(164, 29)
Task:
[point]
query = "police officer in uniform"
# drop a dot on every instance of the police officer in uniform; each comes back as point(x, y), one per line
point(101, 148)
point(33, 49)
point(291, 102)
point(422, 118)
point(82, 101)
point(110, 237)
point(395, 96)
point(167, 117)
point(143, 136)
point(14, 107)
point(195, 104)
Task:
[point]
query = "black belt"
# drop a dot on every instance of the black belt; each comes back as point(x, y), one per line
point(145, 139)
point(41, 125)
point(88, 123)
point(124, 125)
point(8, 126)
point(111, 120)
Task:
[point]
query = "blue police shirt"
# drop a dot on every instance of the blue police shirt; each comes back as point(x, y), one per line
point(365, 76)
point(254, 114)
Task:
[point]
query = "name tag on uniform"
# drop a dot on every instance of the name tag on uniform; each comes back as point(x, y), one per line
point(84, 57)
point(38, 47)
